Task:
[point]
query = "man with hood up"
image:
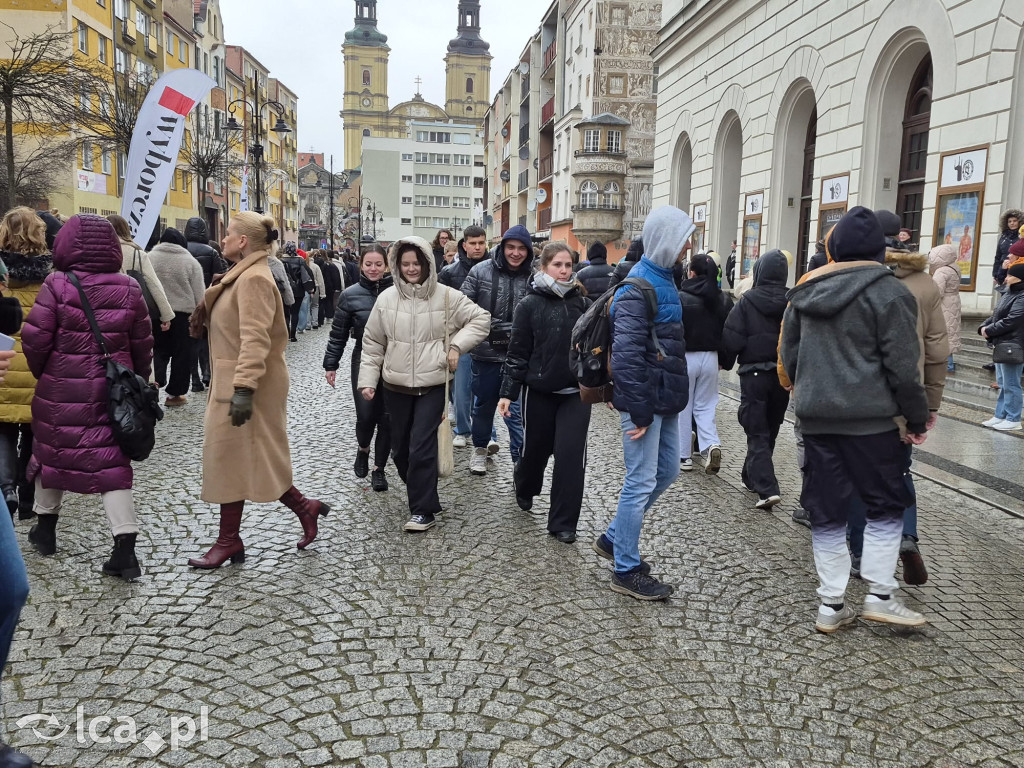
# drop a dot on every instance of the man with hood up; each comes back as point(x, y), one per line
point(850, 347)
point(648, 364)
point(891, 226)
point(597, 276)
point(751, 334)
point(497, 284)
point(197, 236)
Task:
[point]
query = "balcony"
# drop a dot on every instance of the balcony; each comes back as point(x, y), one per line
point(525, 88)
point(549, 53)
point(546, 166)
point(150, 3)
point(506, 153)
point(128, 31)
point(151, 46)
point(524, 134)
point(544, 218)
point(524, 180)
point(547, 112)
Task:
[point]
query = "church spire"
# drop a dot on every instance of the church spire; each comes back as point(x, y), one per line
point(469, 40)
point(365, 31)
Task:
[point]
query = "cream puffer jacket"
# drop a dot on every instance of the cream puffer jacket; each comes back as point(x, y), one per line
point(403, 343)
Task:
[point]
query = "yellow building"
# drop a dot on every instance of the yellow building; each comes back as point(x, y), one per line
point(366, 110)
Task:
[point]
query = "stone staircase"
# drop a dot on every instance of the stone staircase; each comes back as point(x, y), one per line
point(971, 385)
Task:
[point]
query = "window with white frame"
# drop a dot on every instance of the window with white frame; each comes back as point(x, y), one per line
point(121, 9)
point(83, 38)
point(588, 195)
point(141, 22)
point(105, 160)
point(610, 196)
point(462, 138)
point(460, 202)
point(120, 61)
point(406, 200)
point(436, 137)
point(86, 156)
point(102, 49)
point(461, 181)
point(462, 159)
point(433, 179)
point(615, 141)
point(591, 140)
point(406, 222)
point(407, 156)
point(84, 100)
point(407, 178)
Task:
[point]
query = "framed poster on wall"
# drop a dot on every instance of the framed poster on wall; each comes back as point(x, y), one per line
point(960, 201)
point(700, 219)
point(753, 209)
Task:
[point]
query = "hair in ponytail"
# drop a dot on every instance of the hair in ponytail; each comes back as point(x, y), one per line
point(260, 229)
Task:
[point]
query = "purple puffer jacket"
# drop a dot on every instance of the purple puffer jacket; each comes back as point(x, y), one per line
point(74, 447)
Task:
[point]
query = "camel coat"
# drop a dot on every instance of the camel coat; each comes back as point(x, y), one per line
point(248, 337)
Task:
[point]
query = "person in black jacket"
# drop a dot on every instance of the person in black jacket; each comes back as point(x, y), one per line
point(705, 308)
point(730, 267)
point(596, 278)
point(332, 285)
point(1007, 325)
point(197, 236)
point(633, 254)
point(752, 334)
point(819, 258)
point(350, 318)
point(1009, 228)
point(555, 419)
point(301, 280)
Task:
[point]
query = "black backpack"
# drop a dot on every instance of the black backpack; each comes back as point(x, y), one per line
point(590, 354)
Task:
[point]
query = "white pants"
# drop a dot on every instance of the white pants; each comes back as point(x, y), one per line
point(877, 566)
point(119, 506)
point(702, 370)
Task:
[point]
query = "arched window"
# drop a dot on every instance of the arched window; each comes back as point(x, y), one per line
point(469, 85)
point(610, 198)
point(366, 131)
point(366, 77)
point(588, 195)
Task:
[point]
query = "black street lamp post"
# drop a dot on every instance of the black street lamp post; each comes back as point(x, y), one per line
point(255, 109)
point(371, 211)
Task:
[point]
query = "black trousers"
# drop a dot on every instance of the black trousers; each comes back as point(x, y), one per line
point(554, 426)
point(841, 466)
point(763, 404)
point(414, 423)
point(293, 316)
point(326, 307)
point(201, 367)
point(15, 453)
point(371, 416)
point(176, 347)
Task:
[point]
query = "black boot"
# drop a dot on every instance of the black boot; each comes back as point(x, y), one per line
point(43, 534)
point(26, 501)
point(122, 561)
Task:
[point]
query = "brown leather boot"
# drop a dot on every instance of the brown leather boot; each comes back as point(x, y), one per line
point(229, 544)
point(308, 511)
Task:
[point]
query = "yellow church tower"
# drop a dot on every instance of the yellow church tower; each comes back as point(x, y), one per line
point(365, 104)
point(468, 69)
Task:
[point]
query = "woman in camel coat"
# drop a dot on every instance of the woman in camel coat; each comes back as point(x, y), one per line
point(245, 448)
point(946, 274)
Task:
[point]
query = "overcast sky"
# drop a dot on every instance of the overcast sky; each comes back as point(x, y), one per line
point(300, 42)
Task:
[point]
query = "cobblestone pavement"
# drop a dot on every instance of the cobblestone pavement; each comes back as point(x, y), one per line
point(487, 643)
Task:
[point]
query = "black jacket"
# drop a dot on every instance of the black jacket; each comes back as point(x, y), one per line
point(1007, 239)
point(1007, 320)
point(511, 285)
point(752, 329)
point(299, 275)
point(454, 274)
point(538, 353)
point(198, 237)
point(332, 276)
point(621, 271)
point(597, 278)
point(818, 259)
point(730, 269)
point(350, 317)
point(705, 308)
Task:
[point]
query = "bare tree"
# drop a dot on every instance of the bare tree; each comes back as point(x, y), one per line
point(207, 154)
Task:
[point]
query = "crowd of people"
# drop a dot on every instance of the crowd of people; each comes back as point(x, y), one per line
point(859, 349)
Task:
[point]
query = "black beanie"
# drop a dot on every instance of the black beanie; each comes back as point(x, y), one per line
point(174, 237)
point(1017, 270)
point(597, 252)
point(857, 237)
point(636, 250)
point(889, 222)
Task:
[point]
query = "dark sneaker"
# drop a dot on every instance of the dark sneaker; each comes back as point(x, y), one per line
point(379, 481)
point(525, 502)
point(566, 537)
point(914, 572)
point(362, 464)
point(802, 516)
point(43, 535)
point(198, 386)
point(641, 586)
point(605, 549)
point(829, 619)
point(419, 523)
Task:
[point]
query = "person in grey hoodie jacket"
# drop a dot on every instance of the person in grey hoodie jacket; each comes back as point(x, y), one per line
point(850, 348)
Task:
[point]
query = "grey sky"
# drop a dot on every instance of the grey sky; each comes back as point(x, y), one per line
point(300, 42)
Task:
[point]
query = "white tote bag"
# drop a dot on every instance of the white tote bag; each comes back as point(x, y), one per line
point(445, 448)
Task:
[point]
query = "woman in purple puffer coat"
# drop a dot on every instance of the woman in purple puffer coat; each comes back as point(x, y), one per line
point(74, 446)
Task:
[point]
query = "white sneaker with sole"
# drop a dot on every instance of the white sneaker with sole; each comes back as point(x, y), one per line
point(829, 619)
point(992, 422)
point(712, 459)
point(769, 502)
point(686, 465)
point(1007, 426)
point(492, 448)
point(891, 611)
point(478, 462)
point(459, 441)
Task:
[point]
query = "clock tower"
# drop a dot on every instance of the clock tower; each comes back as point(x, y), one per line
point(468, 68)
point(365, 103)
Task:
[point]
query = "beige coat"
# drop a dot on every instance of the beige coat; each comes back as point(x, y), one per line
point(135, 258)
point(404, 338)
point(248, 337)
point(945, 273)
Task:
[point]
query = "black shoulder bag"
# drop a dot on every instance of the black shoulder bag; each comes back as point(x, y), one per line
point(132, 405)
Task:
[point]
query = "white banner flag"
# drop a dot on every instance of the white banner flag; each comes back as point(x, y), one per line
point(159, 130)
point(243, 198)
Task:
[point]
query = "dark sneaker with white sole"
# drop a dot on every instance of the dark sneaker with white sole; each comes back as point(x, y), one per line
point(641, 586)
point(419, 523)
point(802, 516)
point(914, 572)
point(606, 549)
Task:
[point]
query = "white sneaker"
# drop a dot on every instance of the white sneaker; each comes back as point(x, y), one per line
point(478, 462)
point(829, 619)
point(991, 422)
point(891, 611)
point(459, 441)
point(769, 502)
point(686, 465)
point(712, 459)
point(492, 448)
point(1007, 426)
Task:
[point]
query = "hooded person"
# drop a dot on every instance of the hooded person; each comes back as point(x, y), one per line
point(1009, 233)
point(404, 350)
point(891, 226)
point(633, 254)
point(648, 365)
point(596, 278)
point(705, 309)
point(850, 347)
point(197, 236)
point(751, 336)
point(498, 285)
point(942, 264)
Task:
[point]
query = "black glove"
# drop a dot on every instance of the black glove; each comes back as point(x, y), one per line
point(241, 406)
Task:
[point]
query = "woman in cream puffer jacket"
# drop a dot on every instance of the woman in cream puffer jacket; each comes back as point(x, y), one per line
point(404, 345)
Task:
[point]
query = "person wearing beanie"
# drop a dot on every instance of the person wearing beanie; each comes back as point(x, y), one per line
point(597, 277)
point(633, 254)
point(648, 364)
point(705, 309)
point(498, 285)
point(1007, 325)
point(891, 226)
point(751, 336)
point(1009, 228)
point(850, 347)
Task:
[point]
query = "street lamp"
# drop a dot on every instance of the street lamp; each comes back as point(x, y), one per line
point(255, 109)
point(371, 212)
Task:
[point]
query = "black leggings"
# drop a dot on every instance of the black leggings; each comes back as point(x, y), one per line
point(293, 315)
point(371, 415)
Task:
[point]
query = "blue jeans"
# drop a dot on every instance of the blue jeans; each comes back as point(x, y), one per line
point(486, 387)
point(652, 465)
point(13, 585)
point(1009, 403)
point(464, 396)
point(857, 517)
point(304, 312)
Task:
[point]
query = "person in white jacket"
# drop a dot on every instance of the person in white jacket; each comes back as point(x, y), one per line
point(135, 259)
point(404, 351)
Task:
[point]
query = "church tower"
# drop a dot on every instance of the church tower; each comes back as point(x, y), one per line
point(468, 69)
point(365, 103)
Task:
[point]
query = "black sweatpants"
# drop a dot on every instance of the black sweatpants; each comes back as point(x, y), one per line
point(414, 423)
point(371, 416)
point(554, 425)
point(763, 404)
point(293, 316)
point(176, 347)
point(201, 365)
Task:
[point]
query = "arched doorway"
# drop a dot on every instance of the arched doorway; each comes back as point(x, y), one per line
point(806, 194)
point(682, 168)
point(726, 202)
point(914, 150)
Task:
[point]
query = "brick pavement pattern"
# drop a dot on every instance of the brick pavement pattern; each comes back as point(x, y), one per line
point(487, 643)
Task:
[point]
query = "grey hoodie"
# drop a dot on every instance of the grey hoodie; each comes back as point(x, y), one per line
point(849, 344)
point(666, 231)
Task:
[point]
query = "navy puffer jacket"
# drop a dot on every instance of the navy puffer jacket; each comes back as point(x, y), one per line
point(644, 385)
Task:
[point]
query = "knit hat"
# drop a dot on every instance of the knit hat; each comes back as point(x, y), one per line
point(174, 237)
point(889, 222)
point(857, 236)
point(1017, 270)
point(1017, 249)
point(635, 250)
point(597, 252)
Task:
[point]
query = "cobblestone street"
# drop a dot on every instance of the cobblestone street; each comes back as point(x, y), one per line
point(487, 643)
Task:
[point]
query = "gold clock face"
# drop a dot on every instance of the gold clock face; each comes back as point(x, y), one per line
point(367, 102)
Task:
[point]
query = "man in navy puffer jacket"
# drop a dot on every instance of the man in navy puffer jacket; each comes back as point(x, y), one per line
point(651, 388)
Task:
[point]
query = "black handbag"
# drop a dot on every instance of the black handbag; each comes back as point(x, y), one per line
point(147, 294)
point(1008, 353)
point(132, 405)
